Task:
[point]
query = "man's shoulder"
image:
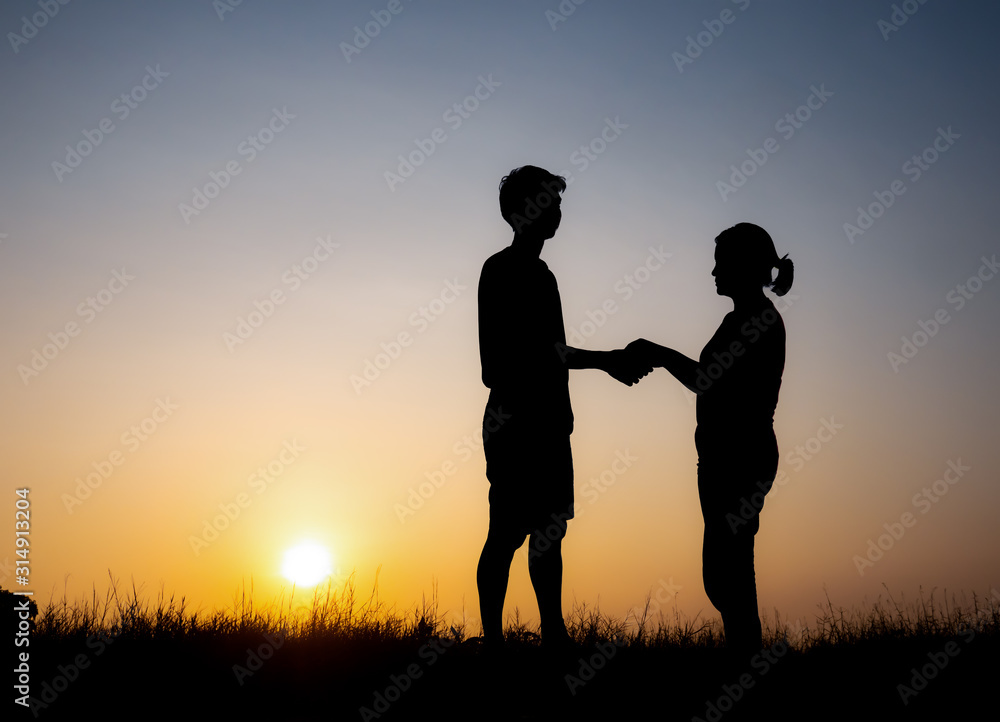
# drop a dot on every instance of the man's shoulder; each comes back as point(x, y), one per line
point(499, 258)
point(508, 261)
point(496, 267)
point(510, 256)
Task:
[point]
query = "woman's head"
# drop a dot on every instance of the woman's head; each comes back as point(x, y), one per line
point(744, 261)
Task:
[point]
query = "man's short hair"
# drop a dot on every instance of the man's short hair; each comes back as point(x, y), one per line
point(525, 186)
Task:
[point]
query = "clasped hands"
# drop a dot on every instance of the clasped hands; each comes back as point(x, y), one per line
point(631, 363)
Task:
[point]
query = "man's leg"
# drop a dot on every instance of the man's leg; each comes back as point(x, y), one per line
point(492, 576)
point(545, 568)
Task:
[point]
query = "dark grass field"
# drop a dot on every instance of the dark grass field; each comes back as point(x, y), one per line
point(344, 659)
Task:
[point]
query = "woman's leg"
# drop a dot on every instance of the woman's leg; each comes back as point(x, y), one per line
point(728, 561)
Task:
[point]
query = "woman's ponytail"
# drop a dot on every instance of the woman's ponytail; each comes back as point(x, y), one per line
point(786, 272)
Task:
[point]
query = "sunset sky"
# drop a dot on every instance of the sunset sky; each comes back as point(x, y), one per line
point(240, 244)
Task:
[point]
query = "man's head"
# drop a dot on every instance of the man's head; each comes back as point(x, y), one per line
point(529, 201)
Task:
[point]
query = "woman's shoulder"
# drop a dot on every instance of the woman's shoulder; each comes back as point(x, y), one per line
point(755, 324)
point(764, 311)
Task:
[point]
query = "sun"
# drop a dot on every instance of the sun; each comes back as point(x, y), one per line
point(307, 564)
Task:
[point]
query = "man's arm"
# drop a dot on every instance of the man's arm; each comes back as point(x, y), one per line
point(497, 349)
point(620, 364)
point(578, 358)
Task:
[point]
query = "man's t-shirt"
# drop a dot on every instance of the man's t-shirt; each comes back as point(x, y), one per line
point(520, 333)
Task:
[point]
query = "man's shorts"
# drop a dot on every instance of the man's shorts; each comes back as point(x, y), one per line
point(531, 477)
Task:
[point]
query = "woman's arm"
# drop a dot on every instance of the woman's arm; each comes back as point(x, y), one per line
point(683, 368)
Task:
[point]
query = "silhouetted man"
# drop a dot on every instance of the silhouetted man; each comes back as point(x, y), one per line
point(528, 418)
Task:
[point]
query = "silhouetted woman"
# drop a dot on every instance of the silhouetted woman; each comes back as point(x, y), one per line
point(737, 378)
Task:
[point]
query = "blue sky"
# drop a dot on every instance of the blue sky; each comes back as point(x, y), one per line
point(647, 140)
